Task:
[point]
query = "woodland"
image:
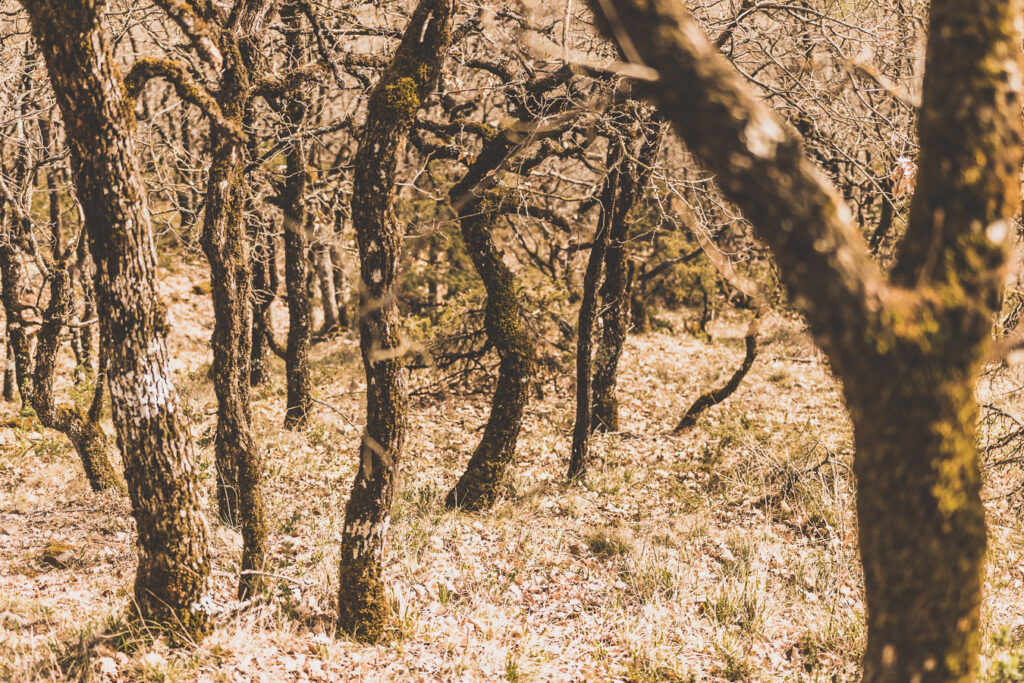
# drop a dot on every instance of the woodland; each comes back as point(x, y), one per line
point(441, 340)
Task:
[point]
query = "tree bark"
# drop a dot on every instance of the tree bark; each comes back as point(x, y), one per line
point(225, 241)
point(84, 274)
point(615, 288)
point(296, 248)
point(172, 578)
point(10, 394)
point(399, 94)
point(328, 297)
point(579, 458)
point(908, 350)
point(265, 284)
point(480, 484)
point(12, 274)
point(16, 233)
point(85, 433)
point(238, 458)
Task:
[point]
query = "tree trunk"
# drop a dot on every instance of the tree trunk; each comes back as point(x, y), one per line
point(296, 284)
point(14, 235)
point(403, 87)
point(238, 458)
point(328, 298)
point(480, 484)
point(921, 519)
point(19, 345)
point(340, 285)
point(85, 434)
point(638, 314)
point(172, 577)
point(615, 288)
point(579, 459)
point(226, 243)
point(296, 247)
point(716, 396)
point(84, 274)
point(265, 285)
point(10, 395)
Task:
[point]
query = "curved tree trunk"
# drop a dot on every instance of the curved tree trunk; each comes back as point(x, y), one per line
point(405, 84)
point(480, 484)
point(907, 349)
point(84, 433)
point(172, 577)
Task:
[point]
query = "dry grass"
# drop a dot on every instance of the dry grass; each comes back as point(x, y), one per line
point(727, 554)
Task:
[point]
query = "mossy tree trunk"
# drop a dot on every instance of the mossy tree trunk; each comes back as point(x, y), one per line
point(396, 98)
point(296, 246)
point(225, 241)
point(238, 458)
point(615, 287)
point(85, 433)
point(172, 578)
point(230, 288)
point(479, 486)
point(908, 348)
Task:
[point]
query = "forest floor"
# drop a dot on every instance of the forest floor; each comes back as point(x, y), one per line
point(728, 553)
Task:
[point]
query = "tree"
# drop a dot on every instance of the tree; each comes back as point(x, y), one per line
point(173, 573)
point(296, 247)
point(907, 348)
point(478, 206)
point(615, 312)
point(231, 45)
point(400, 93)
point(628, 172)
